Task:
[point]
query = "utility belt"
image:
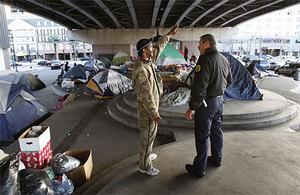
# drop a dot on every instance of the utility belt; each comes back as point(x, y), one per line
point(208, 98)
point(204, 104)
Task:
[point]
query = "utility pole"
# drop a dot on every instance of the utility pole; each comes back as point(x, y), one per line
point(260, 47)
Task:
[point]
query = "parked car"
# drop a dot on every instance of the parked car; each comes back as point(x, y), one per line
point(265, 64)
point(288, 69)
point(14, 63)
point(56, 64)
point(44, 63)
point(274, 65)
point(248, 58)
point(37, 60)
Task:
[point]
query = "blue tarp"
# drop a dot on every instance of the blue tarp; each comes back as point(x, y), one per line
point(242, 87)
point(18, 110)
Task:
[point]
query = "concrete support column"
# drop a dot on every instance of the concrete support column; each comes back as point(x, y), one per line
point(4, 41)
point(4, 59)
point(110, 49)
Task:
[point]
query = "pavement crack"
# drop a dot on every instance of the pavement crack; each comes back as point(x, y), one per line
point(77, 130)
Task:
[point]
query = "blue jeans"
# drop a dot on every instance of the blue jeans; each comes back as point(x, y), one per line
point(208, 123)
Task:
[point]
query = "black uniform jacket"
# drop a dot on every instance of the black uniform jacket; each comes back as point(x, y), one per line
point(212, 76)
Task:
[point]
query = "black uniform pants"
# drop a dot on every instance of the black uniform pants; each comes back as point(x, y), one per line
point(208, 125)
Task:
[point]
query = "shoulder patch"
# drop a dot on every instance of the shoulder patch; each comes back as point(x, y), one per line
point(197, 68)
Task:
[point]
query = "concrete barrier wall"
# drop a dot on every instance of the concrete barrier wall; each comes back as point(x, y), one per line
point(115, 40)
point(131, 36)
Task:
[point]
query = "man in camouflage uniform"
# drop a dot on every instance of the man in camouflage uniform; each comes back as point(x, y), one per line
point(148, 86)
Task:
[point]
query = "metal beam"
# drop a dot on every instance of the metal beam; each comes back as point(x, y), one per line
point(249, 12)
point(132, 13)
point(229, 11)
point(103, 6)
point(208, 11)
point(188, 11)
point(155, 12)
point(83, 12)
point(57, 12)
point(166, 12)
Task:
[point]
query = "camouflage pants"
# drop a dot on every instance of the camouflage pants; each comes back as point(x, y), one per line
point(148, 130)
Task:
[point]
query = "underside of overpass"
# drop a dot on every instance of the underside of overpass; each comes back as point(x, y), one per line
point(116, 25)
point(145, 14)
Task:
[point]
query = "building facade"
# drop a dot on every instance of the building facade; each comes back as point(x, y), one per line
point(276, 33)
point(32, 37)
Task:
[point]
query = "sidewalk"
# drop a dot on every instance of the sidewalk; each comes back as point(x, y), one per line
point(255, 162)
point(25, 67)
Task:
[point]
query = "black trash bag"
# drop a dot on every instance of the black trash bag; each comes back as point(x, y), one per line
point(61, 163)
point(9, 183)
point(35, 181)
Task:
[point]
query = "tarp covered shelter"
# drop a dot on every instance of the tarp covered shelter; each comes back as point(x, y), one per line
point(120, 58)
point(106, 61)
point(76, 72)
point(170, 55)
point(31, 81)
point(243, 86)
point(18, 109)
point(107, 84)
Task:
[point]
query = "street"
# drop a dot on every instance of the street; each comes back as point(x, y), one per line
point(45, 74)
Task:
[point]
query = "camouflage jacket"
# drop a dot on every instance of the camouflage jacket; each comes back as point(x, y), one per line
point(148, 84)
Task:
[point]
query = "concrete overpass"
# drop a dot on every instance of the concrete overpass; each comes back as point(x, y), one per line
point(115, 25)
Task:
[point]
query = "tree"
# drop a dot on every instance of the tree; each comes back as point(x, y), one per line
point(54, 39)
point(74, 43)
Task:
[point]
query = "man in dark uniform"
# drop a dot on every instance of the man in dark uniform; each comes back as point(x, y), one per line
point(212, 76)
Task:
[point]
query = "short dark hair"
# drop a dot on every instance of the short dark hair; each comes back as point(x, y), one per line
point(210, 38)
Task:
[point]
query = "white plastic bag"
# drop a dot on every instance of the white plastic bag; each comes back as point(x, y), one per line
point(67, 84)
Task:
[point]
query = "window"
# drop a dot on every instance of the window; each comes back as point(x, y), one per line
point(38, 23)
point(45, 23)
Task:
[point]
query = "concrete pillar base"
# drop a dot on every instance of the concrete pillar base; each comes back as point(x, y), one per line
point(4, 59)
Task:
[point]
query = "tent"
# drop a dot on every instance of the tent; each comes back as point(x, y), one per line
point(243, 86)
point(76, 72)
point(169, 56)
point(32, 82)
point(18, 109)
point(107, 84)
point(106, 61)
point(120, 58)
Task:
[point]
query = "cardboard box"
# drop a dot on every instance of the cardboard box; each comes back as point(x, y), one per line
point(83, 173)
point(38, 159)
point(33, 144)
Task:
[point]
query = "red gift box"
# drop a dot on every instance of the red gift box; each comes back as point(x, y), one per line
point(38, 159)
